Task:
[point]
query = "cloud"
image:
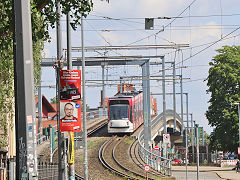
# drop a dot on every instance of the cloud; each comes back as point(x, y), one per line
point(45, 53)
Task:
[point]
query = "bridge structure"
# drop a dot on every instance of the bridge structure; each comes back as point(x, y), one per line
point(158, 129)
point(158, 159)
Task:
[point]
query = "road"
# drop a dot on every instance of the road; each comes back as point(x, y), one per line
point(180, 175)
point(206, 173)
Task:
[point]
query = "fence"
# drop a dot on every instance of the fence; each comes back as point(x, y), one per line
point(156, 162)
point(47, 171)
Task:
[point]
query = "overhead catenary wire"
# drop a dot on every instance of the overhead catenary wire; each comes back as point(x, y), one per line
point(164, 26)
point(215, 42)
point(170, 17)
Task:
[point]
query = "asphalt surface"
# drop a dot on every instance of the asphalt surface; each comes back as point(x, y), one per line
point(205, 173)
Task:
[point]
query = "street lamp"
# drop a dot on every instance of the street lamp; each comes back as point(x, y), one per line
point(238, 122)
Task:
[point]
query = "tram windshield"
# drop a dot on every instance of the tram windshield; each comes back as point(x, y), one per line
point(119, 111)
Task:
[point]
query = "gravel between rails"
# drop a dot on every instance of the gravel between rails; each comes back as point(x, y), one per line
point(96, 171)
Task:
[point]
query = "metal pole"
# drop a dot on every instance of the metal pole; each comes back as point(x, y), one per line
point(202, 137)
point(71, 166)
point(25, 119)
point(194, 124)
point(186, 145)
point(187, 112)
point(164, 95)
point(61, 164)
point(69, 45)
point(39, 111)
point(84, 107)
point(121, 89)
point(51, 144)
point(181, 89)
point(103, 89)
point(197, 152)
point(145, 111)
point(174, 96)
point(192, 138)
point(148, 105)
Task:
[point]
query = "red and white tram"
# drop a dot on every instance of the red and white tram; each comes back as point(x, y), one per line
point(125, 112)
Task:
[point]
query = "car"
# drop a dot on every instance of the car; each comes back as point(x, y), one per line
point(177, 161)
point(231, 156)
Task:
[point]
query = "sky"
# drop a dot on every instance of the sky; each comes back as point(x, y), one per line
point(205, 25)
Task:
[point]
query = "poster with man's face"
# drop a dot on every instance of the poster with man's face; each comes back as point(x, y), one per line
point(70, 104)
point(70, 116)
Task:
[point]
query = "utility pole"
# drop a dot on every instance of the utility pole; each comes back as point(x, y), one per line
point(25, 113)
point(103, 90)
point(186, 145)
point(202, 137)
point(174, 96)
point(181, 91)
point(69, 66)
point(186, 133)
point(197, 146)
point(146, 105)
point(61, 141)
point(164, 95)
point(39, 110)
point(85, 163)
point(192, 137)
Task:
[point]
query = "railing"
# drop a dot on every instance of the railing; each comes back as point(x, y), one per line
point(96, 114)
point(156, 162)
point(47, 171)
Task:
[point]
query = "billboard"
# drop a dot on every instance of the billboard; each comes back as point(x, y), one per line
point(70, 100)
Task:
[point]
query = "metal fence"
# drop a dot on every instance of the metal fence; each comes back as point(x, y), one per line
point(47, 171)
point(156, 162)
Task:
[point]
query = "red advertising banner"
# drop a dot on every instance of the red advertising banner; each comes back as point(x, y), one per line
point(70, 104)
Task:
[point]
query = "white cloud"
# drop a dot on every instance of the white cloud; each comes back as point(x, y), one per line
point(45, 53)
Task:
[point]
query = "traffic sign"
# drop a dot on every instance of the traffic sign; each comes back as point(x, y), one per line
point(166, 138)
point(147, 168)
point(156, 148)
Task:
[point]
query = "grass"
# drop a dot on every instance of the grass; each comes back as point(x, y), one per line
point(92, 144)
point(129, 141)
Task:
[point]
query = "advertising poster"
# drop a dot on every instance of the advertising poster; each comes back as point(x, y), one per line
point(70, 116)
point(70, 104)
point(70, 85)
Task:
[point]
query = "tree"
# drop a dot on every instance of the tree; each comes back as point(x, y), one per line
point(43, 16)
point(223, 84)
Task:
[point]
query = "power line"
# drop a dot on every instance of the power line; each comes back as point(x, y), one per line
point(200, 45)
point(155, 34)
point(210, 45)
point(142, 18)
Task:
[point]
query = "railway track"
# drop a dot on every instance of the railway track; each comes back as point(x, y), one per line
point(108, 158)
point(137, 160)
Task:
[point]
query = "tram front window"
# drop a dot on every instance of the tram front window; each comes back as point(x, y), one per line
point(119, 111)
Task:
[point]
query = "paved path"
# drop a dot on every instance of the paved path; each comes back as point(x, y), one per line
point(205, 173)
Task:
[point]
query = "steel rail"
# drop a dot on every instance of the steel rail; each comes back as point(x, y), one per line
point(123, 167)
point(104, 163)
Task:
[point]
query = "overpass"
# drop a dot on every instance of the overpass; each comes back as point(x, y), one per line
point(158, 128)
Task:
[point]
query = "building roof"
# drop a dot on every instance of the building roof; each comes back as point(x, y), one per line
point(52, 114)
point(46, 103)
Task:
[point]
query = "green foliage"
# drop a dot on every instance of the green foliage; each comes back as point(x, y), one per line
point(53, 100)
point(43, 16)
point(223, 85)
